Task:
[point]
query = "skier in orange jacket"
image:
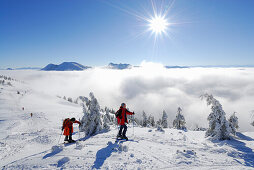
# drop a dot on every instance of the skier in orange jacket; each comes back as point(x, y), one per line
point(68, 129)
point(121, 116)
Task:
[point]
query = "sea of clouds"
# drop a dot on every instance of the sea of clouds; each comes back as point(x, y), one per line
point(153, 88)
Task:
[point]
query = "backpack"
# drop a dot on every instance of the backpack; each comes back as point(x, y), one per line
point(119, 114)
point(65, 122)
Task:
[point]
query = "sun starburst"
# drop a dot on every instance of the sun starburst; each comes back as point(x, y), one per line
point(158, 24)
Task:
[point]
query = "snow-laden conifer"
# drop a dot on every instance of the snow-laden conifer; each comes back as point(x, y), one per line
point(151, 121)
point(144, 119)
point(164, 120)
point(218, 124)
point(69, 99)
point(233, 123)
point(158, 123)
point(179, 122)
point(106, 123)
point(91, 121)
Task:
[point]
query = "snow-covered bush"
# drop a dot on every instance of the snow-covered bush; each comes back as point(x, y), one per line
point(218, 124)
point(198, 128)
point(233, 123)
point(164, 120)
point(179, 122)
point(91, 121)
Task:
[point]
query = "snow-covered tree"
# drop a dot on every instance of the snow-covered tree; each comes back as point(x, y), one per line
point(252, 116)
point(69, 99)
point(76, 101)
point(91, 121)
point(151, 121)
point(144, 119)
point(164, 120)
point(64, 98)
point(179, 122)
point(218, 124)
point(233, 123)
point(158, 123)
point(106, 120)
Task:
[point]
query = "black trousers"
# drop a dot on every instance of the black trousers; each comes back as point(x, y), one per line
point(123, 129)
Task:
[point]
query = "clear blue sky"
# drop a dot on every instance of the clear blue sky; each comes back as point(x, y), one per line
point(96, 32)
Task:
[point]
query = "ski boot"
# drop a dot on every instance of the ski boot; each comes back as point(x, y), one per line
point(71, 140)
point(124, 137)
point(66, 139)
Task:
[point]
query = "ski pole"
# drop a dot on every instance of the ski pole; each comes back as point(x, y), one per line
point(59, 137)
point(133, 124)
point(78, 134)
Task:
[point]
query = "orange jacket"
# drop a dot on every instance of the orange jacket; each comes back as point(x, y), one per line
point(68, 127)
point(122, 119)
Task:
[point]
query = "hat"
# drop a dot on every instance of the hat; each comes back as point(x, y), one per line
point(123, 104)
point(73, 119)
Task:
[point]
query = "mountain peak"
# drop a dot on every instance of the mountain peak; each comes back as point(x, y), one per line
point(119, 66)
point(65, 66)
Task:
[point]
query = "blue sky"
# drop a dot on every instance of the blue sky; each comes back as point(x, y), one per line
point(96, 32)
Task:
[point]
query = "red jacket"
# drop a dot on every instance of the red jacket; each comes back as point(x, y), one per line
point(68, 127)
point(122, 118)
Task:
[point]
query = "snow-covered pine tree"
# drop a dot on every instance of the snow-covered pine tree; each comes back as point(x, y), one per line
point(158, 123)
point(106, 121)
point(91, 121)
point(252, 115)
point(151, 121)
point(137, 121)
point(76, 100)
point(218, 124)
point(64, 98)
point(179, 122)
point(69, 99)
point(164, 120)
point(144, 119)
point(233, 123)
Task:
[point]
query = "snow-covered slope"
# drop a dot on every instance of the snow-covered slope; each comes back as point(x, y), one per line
point(32, 142)
point(65, 66)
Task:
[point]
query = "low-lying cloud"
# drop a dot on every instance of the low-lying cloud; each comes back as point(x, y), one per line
point(153, 88)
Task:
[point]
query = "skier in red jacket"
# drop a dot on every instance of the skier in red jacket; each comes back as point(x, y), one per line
point(121, 116)
point(68, 128)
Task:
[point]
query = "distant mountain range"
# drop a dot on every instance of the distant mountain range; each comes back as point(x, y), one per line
point(119, 66)
point(177, 67)
point(73, 66)
point(65, 66)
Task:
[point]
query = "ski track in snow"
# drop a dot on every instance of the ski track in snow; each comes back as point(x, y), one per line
point(31, 142)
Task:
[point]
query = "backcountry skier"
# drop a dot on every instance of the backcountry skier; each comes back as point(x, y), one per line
point(68, 129)
point(121, 116)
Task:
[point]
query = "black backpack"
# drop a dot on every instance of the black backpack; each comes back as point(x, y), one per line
point(119, 114)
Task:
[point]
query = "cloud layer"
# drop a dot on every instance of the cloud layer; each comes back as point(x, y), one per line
point(153, 88)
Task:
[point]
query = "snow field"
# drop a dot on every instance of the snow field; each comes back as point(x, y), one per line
point(32, 142)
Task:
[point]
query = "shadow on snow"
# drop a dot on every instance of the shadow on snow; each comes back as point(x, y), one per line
point(243, 152)
point(104, 153)
point(55, 150)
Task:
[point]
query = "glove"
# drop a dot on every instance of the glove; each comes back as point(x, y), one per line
point(62, 128)
point(133, 113)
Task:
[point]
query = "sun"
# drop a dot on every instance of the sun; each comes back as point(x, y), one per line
point(158, 24)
